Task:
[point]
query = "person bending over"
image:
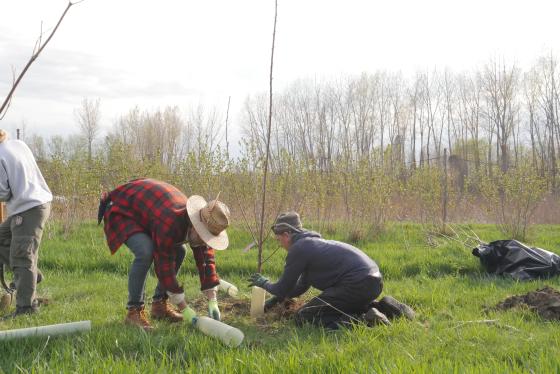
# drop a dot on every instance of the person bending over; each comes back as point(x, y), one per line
point(154, 219)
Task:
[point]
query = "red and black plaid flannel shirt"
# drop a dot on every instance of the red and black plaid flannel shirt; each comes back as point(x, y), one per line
point(159, 210)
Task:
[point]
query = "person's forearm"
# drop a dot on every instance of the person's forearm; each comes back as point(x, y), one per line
point(206, 265)
point(298, 291)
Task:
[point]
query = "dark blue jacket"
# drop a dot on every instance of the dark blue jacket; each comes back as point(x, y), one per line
point(316, 262)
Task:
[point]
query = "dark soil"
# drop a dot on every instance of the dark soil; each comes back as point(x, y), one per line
point(228, 305)
point(286, 309)
point(242, 307)
point(545, 302)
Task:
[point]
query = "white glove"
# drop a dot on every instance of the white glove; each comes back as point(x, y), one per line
point(211, 293)
point(176, 298)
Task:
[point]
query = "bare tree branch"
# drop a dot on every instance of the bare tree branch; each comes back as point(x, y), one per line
point(39, 46)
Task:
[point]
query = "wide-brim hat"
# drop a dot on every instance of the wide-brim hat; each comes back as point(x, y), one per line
point(210, 220)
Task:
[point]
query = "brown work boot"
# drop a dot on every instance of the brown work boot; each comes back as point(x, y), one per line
point(136, 316)
point(163, 310)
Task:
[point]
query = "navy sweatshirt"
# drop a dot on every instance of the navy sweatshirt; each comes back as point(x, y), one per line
point(316, 262)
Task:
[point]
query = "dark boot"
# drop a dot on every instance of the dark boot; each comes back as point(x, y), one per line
point(136, 316)
point(163, 310)
point(21, 311)
point(374, 317)
point(393, 308)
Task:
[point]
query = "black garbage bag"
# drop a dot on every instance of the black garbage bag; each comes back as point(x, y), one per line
point(513, 258)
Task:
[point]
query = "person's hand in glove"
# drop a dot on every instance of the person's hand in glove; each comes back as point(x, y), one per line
point(177, 299)
point(271, 303)
point(190, 315)
point(257, 280)
point(213, 310)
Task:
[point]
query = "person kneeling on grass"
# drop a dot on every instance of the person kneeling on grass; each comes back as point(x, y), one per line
point(350, 281)
point(154, 219)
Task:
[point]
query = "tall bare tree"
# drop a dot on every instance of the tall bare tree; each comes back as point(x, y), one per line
point(88, 116)
point(549, 103)
point(500, 85)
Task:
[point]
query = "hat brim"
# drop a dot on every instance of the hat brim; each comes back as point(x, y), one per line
point(218, 242)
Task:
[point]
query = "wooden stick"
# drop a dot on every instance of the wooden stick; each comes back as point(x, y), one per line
point(265, 174)
point(494, 322)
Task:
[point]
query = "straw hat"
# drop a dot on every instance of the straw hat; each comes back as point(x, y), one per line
point(210, 220)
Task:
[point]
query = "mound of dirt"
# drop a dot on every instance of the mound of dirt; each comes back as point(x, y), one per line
point(546, 302)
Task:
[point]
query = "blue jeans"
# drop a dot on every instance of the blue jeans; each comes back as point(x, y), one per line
point(142, 246)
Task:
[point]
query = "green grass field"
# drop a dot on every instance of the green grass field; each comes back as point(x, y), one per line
point(445, 284)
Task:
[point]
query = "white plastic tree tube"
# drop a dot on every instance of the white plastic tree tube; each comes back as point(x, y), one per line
point(229, 335)
point(228, 288)
point(49, 330)
point(258, 296)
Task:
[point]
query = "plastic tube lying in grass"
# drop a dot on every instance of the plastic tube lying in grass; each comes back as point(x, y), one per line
point(258, 296)
point(49, 330)
point(229, 335)
point(228, 288)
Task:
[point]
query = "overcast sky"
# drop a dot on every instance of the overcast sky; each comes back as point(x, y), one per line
point(183, 52)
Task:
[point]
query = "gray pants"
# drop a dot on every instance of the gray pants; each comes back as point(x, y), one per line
point(20, 237)
point(142, 246)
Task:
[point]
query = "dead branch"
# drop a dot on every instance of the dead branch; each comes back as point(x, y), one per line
point(468, 240)
point(37, 49)
point(493, 322)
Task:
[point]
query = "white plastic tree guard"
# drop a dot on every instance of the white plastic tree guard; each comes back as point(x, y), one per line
point(229, 335)
point(49, 330)
point(228, 288)
point(258, 296)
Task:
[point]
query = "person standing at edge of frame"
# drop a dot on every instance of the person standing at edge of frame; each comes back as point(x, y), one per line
point(154, 219)
point(28, 202)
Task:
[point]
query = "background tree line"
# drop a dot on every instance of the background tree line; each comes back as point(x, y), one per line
point(362, 149)
point(497, 115)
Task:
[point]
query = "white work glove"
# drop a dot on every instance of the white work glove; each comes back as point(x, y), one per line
point(177, 299)
point(211, 293)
